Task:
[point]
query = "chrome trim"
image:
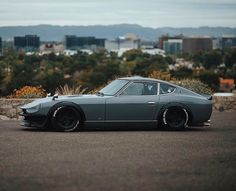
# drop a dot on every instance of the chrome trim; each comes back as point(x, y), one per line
point(158, 88)
point(123, 88)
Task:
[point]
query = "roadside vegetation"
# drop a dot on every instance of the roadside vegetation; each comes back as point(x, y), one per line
point(83, 73)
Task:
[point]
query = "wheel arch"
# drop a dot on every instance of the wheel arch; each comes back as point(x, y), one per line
point(69, 104)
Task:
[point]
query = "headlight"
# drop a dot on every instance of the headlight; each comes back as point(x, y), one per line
point(33, 109)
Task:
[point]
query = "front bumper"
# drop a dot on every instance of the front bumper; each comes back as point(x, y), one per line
point(33, 120)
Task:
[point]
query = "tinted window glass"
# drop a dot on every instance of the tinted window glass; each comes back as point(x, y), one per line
point(165, 88)
point(114, 87)
point(141, 88)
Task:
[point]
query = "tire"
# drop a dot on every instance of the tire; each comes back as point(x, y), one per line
point(66, 119)
point(175, 118)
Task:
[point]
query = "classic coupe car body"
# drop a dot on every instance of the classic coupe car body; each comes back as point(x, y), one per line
point(125, 101)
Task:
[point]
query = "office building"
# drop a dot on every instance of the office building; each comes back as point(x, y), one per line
point(27, 43)
point(166, 38)
point(0, 46)
point(173, 46)
point(228, 42)
point(196, 44)
point(73, 42)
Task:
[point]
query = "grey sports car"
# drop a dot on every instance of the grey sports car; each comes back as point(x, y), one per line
point(126, 101)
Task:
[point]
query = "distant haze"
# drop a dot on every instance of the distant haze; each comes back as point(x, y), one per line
point(147, 13)
point(57, 33)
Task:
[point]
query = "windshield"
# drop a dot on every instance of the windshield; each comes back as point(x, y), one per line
point(113, 87)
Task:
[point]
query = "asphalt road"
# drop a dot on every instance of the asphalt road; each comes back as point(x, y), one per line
point(200, 158)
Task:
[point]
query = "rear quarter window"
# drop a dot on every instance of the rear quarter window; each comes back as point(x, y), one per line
point(166, 88)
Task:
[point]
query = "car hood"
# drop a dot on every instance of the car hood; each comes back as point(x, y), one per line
point(60, 98)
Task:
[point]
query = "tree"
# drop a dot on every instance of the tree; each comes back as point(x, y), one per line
point(212, 59)
point(230, 58)
point(210, 78)
point(146, 66)
point(182, 72)
point(22, 75)
point(134, 55)
point(53, 81)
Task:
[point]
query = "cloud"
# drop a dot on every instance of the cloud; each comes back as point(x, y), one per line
point(153, 13)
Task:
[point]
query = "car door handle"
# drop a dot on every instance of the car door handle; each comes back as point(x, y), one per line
point(151, 102)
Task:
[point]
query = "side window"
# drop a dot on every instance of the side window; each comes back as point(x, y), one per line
point(141, 88)
point(165, 88)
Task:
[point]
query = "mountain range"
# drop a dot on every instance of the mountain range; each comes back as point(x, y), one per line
point(57, 33)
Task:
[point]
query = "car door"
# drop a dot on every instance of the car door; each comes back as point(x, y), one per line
point(138, 102)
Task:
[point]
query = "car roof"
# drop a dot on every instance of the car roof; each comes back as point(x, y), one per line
point(140, 78)
point(137, 78)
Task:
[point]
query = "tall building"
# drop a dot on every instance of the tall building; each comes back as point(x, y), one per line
point(73, 42)
point(196, 44)
point(0, 46)
point(166, 37)
point(228, 42)
point(27, 42)
point(173, 46)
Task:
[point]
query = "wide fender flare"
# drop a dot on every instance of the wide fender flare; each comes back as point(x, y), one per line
point(69, 104)
point(175, 104)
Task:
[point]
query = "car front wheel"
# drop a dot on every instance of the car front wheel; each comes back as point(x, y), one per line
point(175, 118)
point(65, 119)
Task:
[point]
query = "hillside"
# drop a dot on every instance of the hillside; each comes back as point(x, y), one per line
point(57, 33)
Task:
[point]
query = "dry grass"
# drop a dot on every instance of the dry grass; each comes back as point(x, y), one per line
point(67, 90)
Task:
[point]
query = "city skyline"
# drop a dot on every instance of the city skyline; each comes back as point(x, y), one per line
point(151, 13)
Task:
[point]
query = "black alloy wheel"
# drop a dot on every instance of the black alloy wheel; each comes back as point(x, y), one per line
point(175, 118)
point(65, 119)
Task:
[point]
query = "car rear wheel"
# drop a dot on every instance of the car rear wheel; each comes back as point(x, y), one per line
point(65, 118)
point(175, 118)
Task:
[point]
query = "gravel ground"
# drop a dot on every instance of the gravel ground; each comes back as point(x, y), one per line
point(199, 158)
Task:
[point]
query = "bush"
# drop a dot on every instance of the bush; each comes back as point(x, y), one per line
point(210, 78)
point(29, 92)
point(194, 85)
point(161, 75)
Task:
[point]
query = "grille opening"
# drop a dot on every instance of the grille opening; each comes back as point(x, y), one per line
point(24, 111)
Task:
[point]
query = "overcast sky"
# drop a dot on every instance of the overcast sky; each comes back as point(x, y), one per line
point(151, 13)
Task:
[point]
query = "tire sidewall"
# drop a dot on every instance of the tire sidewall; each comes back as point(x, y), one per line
point(55, 123)
point(165, 122)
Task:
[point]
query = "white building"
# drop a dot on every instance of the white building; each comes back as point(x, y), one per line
point(47, 48)
point(154, 51)
point(128, 42)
